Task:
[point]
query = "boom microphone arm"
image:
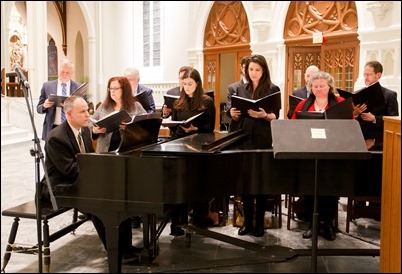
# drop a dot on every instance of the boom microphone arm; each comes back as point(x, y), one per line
point(23, 79)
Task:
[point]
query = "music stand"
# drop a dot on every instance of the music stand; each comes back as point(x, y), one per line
point(318, 139)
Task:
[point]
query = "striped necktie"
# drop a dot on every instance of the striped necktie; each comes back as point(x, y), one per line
point(81, 143)
point(64, 93)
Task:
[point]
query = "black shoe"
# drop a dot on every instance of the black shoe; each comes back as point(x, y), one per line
point(136, 222)
point(176, 231)
point(308, 234)
point(131, 255)
point(258, 231)
point(329, 232)
point(244, 230)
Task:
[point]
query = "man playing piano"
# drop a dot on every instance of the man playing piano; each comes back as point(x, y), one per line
point(63, 144)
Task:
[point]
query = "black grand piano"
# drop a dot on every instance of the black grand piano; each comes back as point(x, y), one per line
point(141, 181)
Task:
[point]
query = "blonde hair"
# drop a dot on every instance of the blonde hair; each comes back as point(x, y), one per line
point(325, 76)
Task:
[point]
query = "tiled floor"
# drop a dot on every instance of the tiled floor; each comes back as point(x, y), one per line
point(83, 252)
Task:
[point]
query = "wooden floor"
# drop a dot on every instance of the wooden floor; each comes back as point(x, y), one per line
point(83, 252)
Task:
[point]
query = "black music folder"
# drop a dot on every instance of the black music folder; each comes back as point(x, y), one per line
point(318, 139)
point(81, 90)
point(293, 102)
point(59, 99)
point(170, 99)
point(310, 115)
point(112, 121)
point(270, 103)
point(371, 96)
point(342, 110)
point(172, 123)
point(143, 99)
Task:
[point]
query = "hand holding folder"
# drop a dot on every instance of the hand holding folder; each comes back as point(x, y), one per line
point(59, 99)
point(270, 103)
point(170, 99)
point(171, 123)
point(371, 96)
point(112, 121)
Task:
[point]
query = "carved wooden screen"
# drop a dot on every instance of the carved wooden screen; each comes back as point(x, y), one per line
point(301, 58)
point(338, 54)
point(341, 61)
point(226, 31)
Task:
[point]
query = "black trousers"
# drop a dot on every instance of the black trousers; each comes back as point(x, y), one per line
point(327, 208)
point(178, 214)
point(248, 208)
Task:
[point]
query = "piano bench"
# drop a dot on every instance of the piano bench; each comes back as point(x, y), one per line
point(28, 211)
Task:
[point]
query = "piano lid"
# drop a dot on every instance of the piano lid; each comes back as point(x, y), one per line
point(199, 143)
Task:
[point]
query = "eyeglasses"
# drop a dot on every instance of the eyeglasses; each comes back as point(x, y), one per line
point(112, 89)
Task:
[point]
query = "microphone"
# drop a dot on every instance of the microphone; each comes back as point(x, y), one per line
point(17, 68)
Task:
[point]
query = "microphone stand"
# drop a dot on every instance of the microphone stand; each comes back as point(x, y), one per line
point(38, 154)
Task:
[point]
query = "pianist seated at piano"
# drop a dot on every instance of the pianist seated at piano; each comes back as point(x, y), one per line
point(322, 97)
point(192, 101)
point(62, 147)
point(118, 97)
point(257, 126)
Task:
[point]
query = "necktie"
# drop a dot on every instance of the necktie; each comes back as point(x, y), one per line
point(64, 93)
point(81, 143)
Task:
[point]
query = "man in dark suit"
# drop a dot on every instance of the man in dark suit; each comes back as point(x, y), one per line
point(236, 88)
point(304, 92)
point(53, 113)
point(166, 112)
point(133, 76)
point(371, 123)
point(63, 144)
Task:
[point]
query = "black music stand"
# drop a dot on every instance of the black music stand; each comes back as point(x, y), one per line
point(318, 139)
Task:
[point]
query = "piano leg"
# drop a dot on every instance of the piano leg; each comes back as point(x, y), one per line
point(113, 252)
point(151, 247)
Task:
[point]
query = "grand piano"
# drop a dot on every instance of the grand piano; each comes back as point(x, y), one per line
point(141, 181)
